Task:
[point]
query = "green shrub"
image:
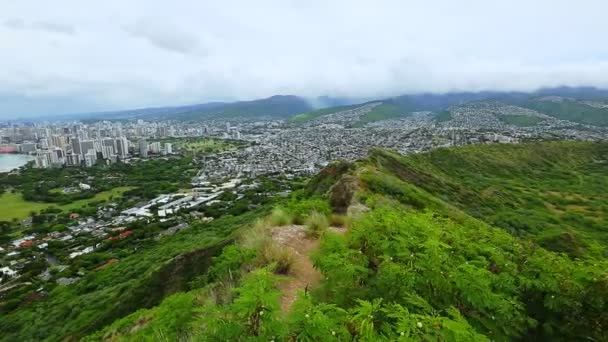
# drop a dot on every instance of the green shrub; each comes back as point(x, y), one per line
point(300, 208)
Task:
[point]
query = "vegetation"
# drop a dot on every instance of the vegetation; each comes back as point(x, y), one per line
point(384, 111)
point(279, 106)
point(571, 110)
point(308, 116)
point(553, 192)
point(198, 146)
point(451, 245)
point(387, 109)
point(316, 224)
point(14, 206)
point(280, 218)
point(137, 281)
point(443, 116)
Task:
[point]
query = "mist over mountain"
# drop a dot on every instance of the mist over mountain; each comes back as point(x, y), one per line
point(288, 106)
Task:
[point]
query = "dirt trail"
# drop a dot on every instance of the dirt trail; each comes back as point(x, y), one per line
point(302, 274)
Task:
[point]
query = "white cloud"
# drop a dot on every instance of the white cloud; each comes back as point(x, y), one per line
point(51, 27)
point(123, 54)
point(164, 36)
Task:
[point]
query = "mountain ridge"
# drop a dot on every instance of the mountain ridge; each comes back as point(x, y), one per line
point(290, 106)
point(413, 262)
point(484, 242)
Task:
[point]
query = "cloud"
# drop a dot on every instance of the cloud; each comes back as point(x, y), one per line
point(14, 23)
point(164, 36)
point(51, 27)
point(124, 54)
point(54, 27)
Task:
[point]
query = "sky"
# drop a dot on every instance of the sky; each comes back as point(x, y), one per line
point(70, 56)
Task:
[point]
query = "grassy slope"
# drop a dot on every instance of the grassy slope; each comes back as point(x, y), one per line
point(12, 205)
point(443, 116)
point(554, 192)
point(571, 110)
point(303, 117)
point(140, 280)
point(384, 111)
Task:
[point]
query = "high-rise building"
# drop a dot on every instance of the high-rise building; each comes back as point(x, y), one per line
point(122, 147)
point(86, 145)
point(58, 155)
point(155, 147)
point(107, 151)
point(76, 148)
point(58, 141)
point(143, 148)
point(28, 147)
point(41, 162)
point(108, 142)
point(73, 159)
point(90, 158)
point(168, 148)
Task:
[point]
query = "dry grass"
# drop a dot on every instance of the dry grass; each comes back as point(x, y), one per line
point(280, 217)
point(316, 224)
point(257, 236)
point(336, 220)
point(268, 251)
point(273, 254)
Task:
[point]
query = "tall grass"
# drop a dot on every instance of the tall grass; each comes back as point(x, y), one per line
point(257, 236)
point(268, 252)
point(336, 220)
point(280, 257)
point(280, 217)
point(316, 224)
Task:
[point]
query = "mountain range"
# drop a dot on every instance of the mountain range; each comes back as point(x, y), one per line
point(575, 103)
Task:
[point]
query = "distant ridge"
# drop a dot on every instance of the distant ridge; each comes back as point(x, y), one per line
point(301, 109)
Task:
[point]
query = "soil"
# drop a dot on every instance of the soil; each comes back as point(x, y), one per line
point(302, 275)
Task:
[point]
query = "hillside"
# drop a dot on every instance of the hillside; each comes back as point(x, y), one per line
point(572, 110)
point(553, 192)
point(136, 281)
point(583, 105)
point(278, 107)
point(438, 246)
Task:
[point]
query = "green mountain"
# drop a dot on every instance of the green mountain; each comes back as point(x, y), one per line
point(311, 115)
point(386, 109)
point(581, 105)
point(573, 110)
point(278, 107)
point(477, 243)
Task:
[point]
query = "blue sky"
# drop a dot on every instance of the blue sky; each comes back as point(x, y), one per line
point(70, 56)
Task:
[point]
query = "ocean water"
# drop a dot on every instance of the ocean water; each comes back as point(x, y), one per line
point(9, 162)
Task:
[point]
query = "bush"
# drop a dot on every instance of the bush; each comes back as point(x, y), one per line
point(257, 236)
point(338, 220)
point(300, 208)
point(280, 217)
point(316, 224)
point(279, 257)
